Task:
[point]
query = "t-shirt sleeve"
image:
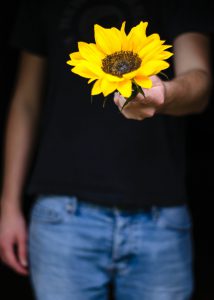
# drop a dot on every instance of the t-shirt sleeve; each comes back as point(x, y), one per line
point(28, 32)
point(186, 16)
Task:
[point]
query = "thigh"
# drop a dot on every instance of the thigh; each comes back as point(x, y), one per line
point(68, 250)
point(162, 266)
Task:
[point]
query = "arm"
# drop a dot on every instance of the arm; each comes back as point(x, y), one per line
point(187, 93)
point(21, 129)
point(190, 90)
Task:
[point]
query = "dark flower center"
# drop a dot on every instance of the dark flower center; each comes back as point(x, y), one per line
point(120, 63)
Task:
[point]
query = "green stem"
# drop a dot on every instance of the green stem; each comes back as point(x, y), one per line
point(135, 90)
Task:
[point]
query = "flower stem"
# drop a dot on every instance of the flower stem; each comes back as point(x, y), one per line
point(135, 90)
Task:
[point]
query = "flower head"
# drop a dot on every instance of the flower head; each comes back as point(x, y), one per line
point(117, 59)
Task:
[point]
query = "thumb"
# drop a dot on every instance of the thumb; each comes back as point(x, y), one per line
point(116, 98)
point(119, 100)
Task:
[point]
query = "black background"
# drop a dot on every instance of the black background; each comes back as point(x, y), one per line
point(199, 178)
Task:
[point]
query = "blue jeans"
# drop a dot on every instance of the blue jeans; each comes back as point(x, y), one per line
point(77, 248)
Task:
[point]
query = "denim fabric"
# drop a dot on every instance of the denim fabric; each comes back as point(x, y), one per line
point(77, 248)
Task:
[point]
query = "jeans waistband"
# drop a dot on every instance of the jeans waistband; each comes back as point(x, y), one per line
point(121, 206)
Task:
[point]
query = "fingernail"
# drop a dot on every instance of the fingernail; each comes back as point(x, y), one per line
point(24, 263)
point(115, 95)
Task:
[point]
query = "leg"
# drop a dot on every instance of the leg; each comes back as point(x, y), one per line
point(159, 267)
point(68, 250)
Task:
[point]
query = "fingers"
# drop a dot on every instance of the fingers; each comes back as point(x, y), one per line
point(9, 258)
point(119, 100)
point(22, 251)
point(136, 103)
point(135, 109)
point(142, 99)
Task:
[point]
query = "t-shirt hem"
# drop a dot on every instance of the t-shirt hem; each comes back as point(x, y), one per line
point(121, 200)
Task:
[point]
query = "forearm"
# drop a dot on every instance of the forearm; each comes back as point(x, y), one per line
point(187, 94)
point(19, 137)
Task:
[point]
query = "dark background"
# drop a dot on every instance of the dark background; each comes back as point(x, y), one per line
point(199, 178)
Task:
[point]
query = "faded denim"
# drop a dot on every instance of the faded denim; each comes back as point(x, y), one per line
point(77, 248)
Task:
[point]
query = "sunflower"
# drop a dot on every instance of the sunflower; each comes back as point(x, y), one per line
point(118, 61)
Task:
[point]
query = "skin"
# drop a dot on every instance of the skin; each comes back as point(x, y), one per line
point(21, 129)
point(188, 93)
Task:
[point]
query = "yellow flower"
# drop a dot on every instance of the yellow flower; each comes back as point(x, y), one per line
point(117, 60)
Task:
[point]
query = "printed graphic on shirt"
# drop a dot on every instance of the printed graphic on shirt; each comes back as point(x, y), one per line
point(79, 16)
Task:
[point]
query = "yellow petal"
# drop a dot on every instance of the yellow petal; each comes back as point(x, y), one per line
point(124, 37)
point(143, 81)
point(113, 78)
point(130, 75)
point(69, 62)
point(107, 40)
point(137, 36)
point(164, 47)
point(75, 58)
point(96, 88)
point(92, 79)
point(87, 70)
point(164, 55)
point(76, 55)
point(151, 38)
point(108, 87)
point(90, 52)
point(125, 88)
point(154, 44)
point(117, 34)
point(155, 53)
point(84, 72)
point(153, 67)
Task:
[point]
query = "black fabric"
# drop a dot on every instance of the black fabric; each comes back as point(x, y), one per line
point(186, 16)
point(83, 148)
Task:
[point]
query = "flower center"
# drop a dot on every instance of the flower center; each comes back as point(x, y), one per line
point(120, 63)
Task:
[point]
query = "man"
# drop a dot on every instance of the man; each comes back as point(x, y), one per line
point(111, 200)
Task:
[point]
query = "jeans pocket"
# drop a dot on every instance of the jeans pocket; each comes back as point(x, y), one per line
point(176, 217)
point(50, 208)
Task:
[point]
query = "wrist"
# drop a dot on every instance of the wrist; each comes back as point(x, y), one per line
point(10, 204)
point(168, 96)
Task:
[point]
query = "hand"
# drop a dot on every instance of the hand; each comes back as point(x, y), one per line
point(13, 232)
point(144, 107)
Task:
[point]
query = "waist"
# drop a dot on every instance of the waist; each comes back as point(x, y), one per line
point(113, 201)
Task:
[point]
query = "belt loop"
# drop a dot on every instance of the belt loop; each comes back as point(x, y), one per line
point(71, 204)
point(116, 210)
point(155, 212)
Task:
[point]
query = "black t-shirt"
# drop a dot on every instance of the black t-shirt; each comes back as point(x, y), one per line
point(84, 149)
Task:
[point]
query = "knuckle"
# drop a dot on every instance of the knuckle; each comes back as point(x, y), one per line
point(148, 114)
point(3, 246)
point(160, 101)
point(7, 257)
point(7, 262)
point(127, 115)
point(2, 253)
point(3, 260)
point(22, 239)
